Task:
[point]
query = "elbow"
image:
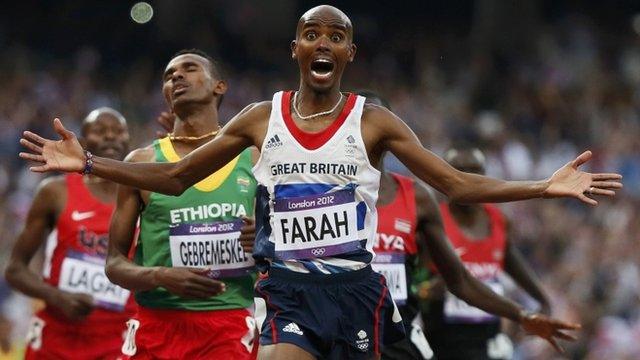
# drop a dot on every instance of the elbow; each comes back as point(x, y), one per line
point(178, 183)
point(11, 273)
point(457, 284)
point(111, 270)
point(457, 190)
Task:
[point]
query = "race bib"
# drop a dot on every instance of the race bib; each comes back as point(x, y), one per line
point(315, 226)
point(83, 273)
point(392, 266)
point(458, 311)
point(214, 246)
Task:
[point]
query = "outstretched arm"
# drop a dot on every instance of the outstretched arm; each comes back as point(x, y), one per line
point(516, 266)
point(188, 283)
point(568, 181)
point(466, 287)
point(245, 129)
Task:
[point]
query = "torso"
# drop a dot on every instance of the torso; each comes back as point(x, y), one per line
point(76, 251)
point(395, 244)
point(200, 228)
point(317, 194)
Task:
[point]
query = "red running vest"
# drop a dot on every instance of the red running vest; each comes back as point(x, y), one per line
point(396, 238)
point(76, 253)
point(484, 258)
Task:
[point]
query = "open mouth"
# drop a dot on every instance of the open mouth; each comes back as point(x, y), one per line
point(322, 68)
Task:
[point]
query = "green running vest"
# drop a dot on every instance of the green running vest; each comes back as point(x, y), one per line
point(223, 196)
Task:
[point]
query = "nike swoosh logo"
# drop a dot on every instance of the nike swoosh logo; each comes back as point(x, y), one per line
point(79, 216)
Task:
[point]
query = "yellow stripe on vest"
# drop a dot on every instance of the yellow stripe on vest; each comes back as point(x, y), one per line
point(212, 181)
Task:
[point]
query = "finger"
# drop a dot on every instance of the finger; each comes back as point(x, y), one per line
point(161, 134)
point(61, 130)
point(561, 325)
point(40, 169)
point(596, 191)
point(608, 176)
point(31, 146)
point(587, 200)
point(205, 289)
point(582, 158)
point(563, 336)
point(248, 221)
point(207, 282)
point(607, 184)
point(34, 137)
point(32, 157)
point(554, 343)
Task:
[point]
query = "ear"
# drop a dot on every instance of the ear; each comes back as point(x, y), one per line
point(220, 88)
point(294, 46)
point(352, 52)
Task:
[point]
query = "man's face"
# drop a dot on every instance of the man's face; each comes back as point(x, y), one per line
point(323, 47)
point(188, 79)
point(107, 136)
point(470, 161)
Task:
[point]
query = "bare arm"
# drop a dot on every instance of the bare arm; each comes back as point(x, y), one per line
point(390, 133)
point(459, 281)
point(40, 220)
point(245, 129)
point(516, 266)
point(187, 283)
point(466, 287)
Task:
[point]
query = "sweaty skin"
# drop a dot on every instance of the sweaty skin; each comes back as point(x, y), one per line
point(324, 34)
point(105, 133)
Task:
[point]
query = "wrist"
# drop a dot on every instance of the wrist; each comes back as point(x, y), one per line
point(157, 276)
point(53, 297)
point(88, 163)
point(543, 186)
point(522, 315)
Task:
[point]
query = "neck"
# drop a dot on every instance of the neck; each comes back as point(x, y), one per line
point(311, 102)
point(196, 120)
point(466, 211)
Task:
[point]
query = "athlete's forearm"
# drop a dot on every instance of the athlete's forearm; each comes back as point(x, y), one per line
point(25, 280)
point(477, 294)
point(473, 188)
point(518, 269)
point(121, 271)
point(158, 177)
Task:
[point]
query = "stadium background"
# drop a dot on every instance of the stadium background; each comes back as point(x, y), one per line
point(533, 82)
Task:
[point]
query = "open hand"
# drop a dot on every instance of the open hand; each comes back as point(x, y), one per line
point(548, 329)
point(61, 155)
point(188, 282)
point(569, 181)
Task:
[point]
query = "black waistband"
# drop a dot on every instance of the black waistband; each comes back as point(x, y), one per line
point(347, 276)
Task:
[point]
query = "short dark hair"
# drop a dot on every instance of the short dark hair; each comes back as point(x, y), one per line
point(215, 68)
point(370, 94)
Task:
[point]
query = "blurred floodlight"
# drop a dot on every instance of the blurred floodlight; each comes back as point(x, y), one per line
point(635, 23)
point(141, 12)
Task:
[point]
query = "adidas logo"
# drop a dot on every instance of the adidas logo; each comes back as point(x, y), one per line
point(274, 142)
point(292, 328)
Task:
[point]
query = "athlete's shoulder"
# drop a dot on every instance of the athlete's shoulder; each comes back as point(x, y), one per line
point(51, 190)
point(257, 109)
point(143, 154)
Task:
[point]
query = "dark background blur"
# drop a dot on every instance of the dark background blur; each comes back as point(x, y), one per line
point(533, 83)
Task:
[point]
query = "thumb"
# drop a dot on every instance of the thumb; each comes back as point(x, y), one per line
point(61, 130)
point(582, 158)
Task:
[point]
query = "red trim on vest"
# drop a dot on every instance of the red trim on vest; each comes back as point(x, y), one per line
point(489, 249)
point(376, 316)
point(313, 141)
point(400, 214)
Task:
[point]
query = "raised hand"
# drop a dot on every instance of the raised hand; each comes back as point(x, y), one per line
point(65, 154)
point(569, 181)
point(548, 329)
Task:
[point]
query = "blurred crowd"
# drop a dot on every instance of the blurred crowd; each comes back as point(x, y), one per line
point(566, 88)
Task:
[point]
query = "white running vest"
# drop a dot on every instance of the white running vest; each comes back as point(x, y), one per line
point(316, 206)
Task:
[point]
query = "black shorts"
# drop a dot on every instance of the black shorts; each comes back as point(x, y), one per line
point(347, 315)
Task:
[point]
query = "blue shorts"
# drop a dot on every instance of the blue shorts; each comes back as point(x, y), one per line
point(341, 316)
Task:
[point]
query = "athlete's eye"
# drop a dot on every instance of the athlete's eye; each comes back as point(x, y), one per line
point(311, 35)
point(336, 37)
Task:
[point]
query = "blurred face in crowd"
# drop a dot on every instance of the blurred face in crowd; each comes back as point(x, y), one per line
point(188, 79)
point(468, 160)
point(105, 134)
point(323, 46)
